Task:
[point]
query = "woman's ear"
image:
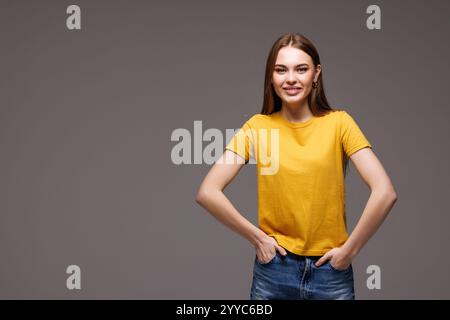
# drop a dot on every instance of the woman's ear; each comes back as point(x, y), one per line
point(318, 70)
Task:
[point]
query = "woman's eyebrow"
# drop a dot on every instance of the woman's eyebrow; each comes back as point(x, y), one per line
point(282, 65)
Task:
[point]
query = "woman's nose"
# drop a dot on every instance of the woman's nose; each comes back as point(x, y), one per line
point(291, 77)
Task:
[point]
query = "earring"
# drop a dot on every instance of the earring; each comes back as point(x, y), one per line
point(314, 85)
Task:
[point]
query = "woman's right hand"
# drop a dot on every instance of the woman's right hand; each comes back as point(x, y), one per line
point(266, 249)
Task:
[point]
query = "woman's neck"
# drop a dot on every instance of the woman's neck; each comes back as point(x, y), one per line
point(296, 114)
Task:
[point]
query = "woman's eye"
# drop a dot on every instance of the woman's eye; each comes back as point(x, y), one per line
point(300, 69)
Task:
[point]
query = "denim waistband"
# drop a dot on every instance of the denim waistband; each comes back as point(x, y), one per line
point(300, 257)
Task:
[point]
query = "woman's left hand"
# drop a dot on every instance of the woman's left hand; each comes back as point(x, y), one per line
point(339, 259)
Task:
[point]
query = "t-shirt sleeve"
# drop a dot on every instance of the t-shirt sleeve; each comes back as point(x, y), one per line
point(242, 142)
point(352, 137)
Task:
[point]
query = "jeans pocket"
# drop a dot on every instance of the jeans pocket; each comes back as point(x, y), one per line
point(338, 270)
point(271, 260)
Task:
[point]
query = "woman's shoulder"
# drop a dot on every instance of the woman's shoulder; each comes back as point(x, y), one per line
point(344, 116)
point(258, 119)
point(337, 114)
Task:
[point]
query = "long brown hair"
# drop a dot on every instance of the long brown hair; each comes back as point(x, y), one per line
point(317, 99)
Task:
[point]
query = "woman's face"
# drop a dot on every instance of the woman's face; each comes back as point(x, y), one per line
point(293, 75)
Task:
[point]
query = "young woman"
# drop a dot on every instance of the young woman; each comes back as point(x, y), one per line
point(301, 148)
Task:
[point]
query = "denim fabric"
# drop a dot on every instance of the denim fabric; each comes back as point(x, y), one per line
point(295, 277)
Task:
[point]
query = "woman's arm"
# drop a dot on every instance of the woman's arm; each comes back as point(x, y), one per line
point(381, 201)
point(211, 197)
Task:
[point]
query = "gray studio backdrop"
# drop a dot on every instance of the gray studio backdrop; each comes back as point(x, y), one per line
point(86, 117)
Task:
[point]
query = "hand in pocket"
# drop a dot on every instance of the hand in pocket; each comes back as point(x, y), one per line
point(267, 248)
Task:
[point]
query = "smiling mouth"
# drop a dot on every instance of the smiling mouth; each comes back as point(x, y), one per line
point(293, 90)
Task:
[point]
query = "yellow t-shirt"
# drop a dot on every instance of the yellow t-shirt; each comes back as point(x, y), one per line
point(300, 171)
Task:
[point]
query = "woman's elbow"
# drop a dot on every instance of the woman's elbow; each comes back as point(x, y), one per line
point(201, 196)
point(390, 194)
point(387, 191)
point(204, 194)
point(394, 196)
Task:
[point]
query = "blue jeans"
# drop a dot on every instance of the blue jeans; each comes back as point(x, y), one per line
point(294, 277)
